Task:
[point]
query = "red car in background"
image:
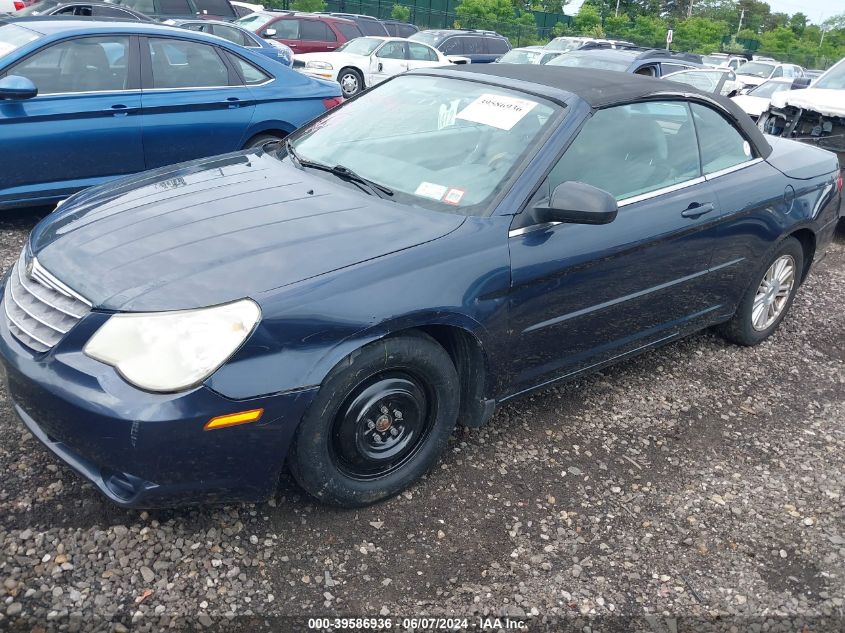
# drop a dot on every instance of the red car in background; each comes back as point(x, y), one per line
point(303, 32)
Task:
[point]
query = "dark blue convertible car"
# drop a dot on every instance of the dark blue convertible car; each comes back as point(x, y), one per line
point(445, 242)
point(86, 101)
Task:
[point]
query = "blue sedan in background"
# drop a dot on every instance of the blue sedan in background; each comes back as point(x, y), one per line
point(238, 35)
point(342, 301)
point(83, 102)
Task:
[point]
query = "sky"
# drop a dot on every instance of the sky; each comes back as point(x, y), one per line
point(816, 10)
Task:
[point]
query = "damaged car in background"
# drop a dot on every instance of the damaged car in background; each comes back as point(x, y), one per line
point(815, 115)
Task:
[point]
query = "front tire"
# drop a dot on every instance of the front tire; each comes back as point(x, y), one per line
point(769, 297)
point(380, 421)
point(351, 82)
point(259, 140)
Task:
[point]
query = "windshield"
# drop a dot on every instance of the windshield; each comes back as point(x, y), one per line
point(707, 81)
point(517, 56)
point(426, 37)
point(768, 88)
point(360, 46)
point(254, 21)
point(756, 69)
point(565, 44)
point(833, 79)
point(715, 60)
point(39, 8)
point(12, 37)
point(590, 61)
point(439, 143)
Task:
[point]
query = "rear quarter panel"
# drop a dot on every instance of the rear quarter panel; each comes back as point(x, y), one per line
point(761, 206)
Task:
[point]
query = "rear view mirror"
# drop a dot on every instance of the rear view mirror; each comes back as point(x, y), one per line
point(577, 203)
point(13, 87)
point(269, 33)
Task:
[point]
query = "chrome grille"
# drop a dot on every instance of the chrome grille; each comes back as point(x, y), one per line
point(39, 308)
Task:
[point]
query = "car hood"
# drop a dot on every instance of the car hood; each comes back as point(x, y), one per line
point(750, 80)
point(217, 230)
point(822, 100)
point(753, 106)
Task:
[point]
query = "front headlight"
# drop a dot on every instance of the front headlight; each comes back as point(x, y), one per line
point(171, 351)
point(320, 65)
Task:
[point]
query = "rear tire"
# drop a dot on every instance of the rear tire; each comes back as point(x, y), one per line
point(380, 421)
point(769, 296)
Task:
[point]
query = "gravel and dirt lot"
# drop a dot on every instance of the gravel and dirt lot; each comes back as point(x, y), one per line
point(700, 481)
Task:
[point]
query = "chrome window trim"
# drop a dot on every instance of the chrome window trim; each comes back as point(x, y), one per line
point(621, 203)
point(87, 92)
point(730, 170)
point(659, 192)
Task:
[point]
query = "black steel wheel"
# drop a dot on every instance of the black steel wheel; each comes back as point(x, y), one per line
point(380, 421)
point(382, 424)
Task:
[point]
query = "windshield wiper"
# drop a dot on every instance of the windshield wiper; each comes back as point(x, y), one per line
point(342, 172)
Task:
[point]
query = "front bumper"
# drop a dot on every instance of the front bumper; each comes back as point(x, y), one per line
point(141, 449)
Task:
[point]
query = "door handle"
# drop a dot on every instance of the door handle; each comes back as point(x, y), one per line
point(233, 102)
point(696, 209)
point(118, 109)
point(380, 66)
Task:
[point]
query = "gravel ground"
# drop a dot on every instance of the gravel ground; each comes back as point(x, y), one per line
point(701, 481)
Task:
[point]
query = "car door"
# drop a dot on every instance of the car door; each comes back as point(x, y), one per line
point(316, 37)
point(421, 56)
point(496, 47)
point(84, 125)
point(748, 188)
point(582, 294)
point(194, 104)
point(475, 49)
point(390, 59)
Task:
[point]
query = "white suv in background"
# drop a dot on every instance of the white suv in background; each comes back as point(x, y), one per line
point(755, 72)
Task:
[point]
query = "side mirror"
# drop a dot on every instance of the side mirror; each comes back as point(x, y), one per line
point(13, 87)
point(800, 82)
point(269, 33)
point(577, 203)
point(745, 91)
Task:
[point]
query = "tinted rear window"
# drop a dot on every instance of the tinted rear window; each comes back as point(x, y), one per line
point(215, 7)
point(372, 27)
point(174, 7)
point(497, 46)
point(349, 31)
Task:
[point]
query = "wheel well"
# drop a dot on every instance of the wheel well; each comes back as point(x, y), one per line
point(467, 354)
point(354, 70)
point(807, 240)
point(277, 133)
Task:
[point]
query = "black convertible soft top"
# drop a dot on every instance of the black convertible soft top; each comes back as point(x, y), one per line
point(602, 88)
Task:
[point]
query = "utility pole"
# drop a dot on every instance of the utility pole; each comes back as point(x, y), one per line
point(741, 16)
point(617, 11)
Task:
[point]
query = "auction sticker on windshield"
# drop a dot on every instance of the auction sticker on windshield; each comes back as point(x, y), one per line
point(497, 111)
point(430, 190)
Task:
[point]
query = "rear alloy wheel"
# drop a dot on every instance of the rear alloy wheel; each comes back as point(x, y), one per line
point(381, 419)
point(769, 297)
point(351, 82)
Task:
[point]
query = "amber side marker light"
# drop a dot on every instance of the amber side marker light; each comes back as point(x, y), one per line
point(233, 419)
